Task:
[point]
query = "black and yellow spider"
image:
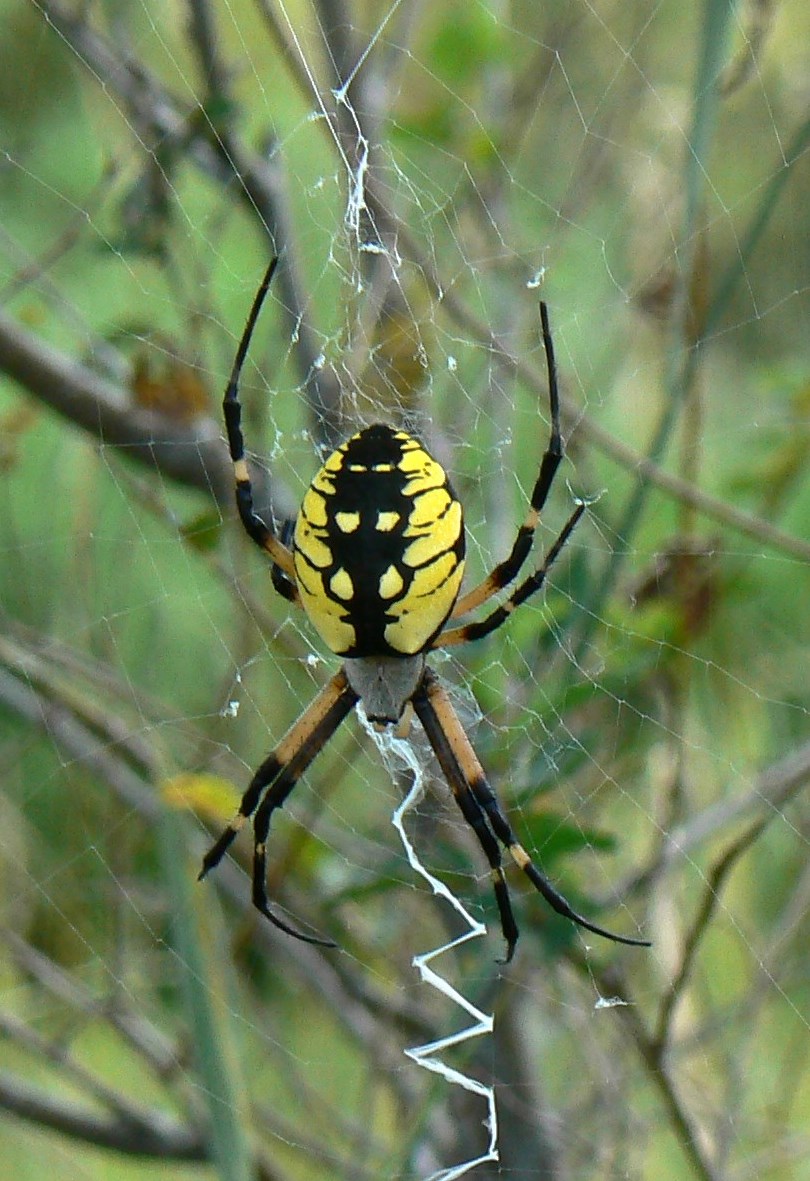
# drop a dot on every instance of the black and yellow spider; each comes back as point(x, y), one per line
point(376, 561)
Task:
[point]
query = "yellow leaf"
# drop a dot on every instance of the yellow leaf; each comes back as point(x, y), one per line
point(209, 795)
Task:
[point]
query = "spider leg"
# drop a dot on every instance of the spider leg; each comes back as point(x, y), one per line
point(253, 524)
point(506, 571)
point(283, 585)
point(275, 779)
point(471, 811)
point(433, 705)
point(482, 627)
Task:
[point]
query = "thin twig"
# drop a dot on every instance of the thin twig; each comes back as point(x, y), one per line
point(772, 789)
point(611, 983)
point(709, 904)
point(159, 1052)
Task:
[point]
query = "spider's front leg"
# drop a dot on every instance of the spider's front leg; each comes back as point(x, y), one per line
point(506, 571)
point(254, 526)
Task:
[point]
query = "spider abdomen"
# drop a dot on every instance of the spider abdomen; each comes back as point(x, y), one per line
point(379, 546)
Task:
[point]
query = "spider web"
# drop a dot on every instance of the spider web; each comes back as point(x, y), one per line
point(428, 173)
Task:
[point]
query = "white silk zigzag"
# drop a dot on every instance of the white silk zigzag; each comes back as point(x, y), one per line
point(427, 1055)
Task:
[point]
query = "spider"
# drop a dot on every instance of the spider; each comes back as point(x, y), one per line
point(376, 562)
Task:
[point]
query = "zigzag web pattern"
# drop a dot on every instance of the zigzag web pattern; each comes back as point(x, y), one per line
point(428, 1055)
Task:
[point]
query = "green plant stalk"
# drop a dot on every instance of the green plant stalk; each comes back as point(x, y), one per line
point(773, 191)
point(680, 366)
point(216, 1066)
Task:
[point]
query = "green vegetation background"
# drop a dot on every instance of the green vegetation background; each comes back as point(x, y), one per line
point(645, 168)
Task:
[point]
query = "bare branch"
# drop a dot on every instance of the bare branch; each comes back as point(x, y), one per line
point(611, 983)
point(156, 1135)
point(194, 455)
point(773, 788)
point(158, 117)
point(160, 1052)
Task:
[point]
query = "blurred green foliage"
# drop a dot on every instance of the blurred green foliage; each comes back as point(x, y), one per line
point(636, 721)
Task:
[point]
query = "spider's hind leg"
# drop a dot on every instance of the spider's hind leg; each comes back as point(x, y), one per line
point(434, 718)
point(466, 776)
point(475, 817)
point(503, 829)
point(273, 782)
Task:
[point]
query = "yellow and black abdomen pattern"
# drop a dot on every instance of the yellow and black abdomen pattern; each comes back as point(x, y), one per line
point(379, 546)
